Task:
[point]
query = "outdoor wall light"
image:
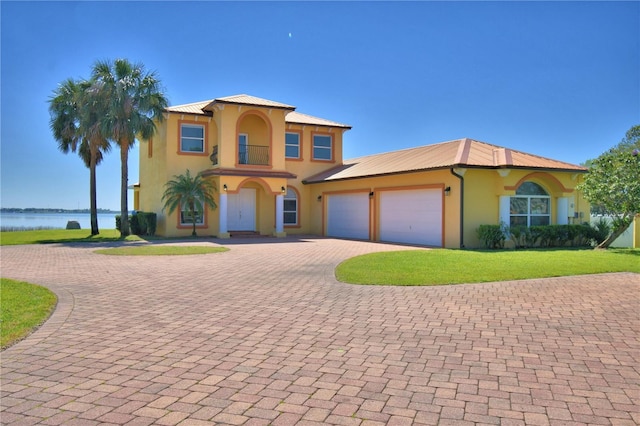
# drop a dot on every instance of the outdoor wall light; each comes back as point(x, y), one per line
point(319, 197)
point(282, 188)
point(224, 187)
point(371, 194)
point(447, 191)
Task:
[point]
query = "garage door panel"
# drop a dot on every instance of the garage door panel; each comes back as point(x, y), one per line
point(348, 216)
point(411, 216)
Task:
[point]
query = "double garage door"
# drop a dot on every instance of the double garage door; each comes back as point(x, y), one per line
point(404, 216)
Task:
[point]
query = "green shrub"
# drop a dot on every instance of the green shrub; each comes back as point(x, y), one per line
point(492, 236)
point(577, 235)
point(141, 223)
point(134, 225)
point(601, 230)
point(147, 222)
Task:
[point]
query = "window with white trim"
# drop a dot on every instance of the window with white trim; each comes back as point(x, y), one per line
point(290, 207)
point(191, 138)
point(322, 145)
point(243, 148)
point(185, 213)
point(292, 145)
point(530, 206)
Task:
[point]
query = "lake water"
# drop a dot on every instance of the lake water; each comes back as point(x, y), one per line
point(55, 220)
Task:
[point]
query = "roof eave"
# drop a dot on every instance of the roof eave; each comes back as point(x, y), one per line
point(338, 125)
point(287, 108)
point(452, 166)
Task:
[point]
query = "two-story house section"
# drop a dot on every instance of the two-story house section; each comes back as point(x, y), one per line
point(281, 172)
point(256, 151)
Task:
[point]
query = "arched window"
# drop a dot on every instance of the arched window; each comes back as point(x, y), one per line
point(291, 207)
point(530, 206)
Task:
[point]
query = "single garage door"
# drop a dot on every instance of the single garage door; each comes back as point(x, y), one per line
point(411, 216)
point(348, 216)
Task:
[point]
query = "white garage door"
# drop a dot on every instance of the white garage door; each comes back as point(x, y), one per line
point(411, 216)
point(348, 216)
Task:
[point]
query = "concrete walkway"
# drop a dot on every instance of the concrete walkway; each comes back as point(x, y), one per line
point(264, 334)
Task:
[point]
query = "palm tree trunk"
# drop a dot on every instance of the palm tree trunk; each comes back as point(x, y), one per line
point(193, 221)
point(124, 177)
point(93, 192)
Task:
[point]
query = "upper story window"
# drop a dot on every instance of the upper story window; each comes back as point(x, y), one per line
point(292, 145)
point(530, 206)
point(191, 138)
point(322, 147)
point(291, 207)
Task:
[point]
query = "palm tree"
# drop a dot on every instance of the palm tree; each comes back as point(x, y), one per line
point(75, 113)
point(192, 192)
point(133, 102)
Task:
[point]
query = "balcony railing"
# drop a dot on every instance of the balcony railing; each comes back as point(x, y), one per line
point(253, 154)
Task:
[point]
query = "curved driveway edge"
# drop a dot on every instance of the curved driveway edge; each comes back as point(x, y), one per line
point(264, 334)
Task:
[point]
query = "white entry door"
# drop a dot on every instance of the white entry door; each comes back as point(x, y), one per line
point(241, 210)
point(348, 216)
point(411, 216)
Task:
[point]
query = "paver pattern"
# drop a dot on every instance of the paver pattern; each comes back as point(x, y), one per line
point(264, 334)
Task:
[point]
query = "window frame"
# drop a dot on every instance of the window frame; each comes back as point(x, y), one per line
point(329, 148)
point(298, 146)
point(181, 138)
point(184, 212)
point(296, 198)
point(532, 218)
point(246, 147)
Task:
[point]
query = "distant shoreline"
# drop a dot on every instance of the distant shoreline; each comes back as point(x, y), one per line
point(48, 210)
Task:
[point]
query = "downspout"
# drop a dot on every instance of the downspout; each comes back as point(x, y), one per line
point(461, 206)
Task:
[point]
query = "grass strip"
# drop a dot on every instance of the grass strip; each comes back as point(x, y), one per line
point(160, 250)
point(441, 266)
point(24, 307)
point(62, 236)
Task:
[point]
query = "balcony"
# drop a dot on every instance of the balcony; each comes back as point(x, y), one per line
point(253, 154)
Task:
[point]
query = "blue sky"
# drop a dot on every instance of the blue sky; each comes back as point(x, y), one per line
point(556, 79)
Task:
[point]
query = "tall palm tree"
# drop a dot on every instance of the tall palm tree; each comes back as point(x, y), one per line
point(190, 192)
point(75, 113)
point(133, 102)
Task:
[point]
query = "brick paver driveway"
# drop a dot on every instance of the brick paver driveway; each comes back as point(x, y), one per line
point(264, 334)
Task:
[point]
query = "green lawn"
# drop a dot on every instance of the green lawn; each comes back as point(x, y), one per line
point(24, 307)
point(436, 267)
point(62, 236)
point(161, 250)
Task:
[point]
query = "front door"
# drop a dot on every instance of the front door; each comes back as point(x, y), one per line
point(241, 210)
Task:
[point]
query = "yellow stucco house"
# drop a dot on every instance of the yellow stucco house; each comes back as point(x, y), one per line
point(280, 172)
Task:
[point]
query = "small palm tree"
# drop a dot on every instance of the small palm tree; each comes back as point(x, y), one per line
point(133, 102)
point(75, 123)
point(192, 192)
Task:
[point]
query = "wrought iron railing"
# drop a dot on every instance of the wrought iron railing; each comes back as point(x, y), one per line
point(253, 154)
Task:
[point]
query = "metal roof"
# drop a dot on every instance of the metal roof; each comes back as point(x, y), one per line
point(299, 118)
point(251, 100)
point(293, 117)
point(457, 153)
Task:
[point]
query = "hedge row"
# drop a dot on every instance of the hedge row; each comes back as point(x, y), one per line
point(494, 236)
point(140, 223)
